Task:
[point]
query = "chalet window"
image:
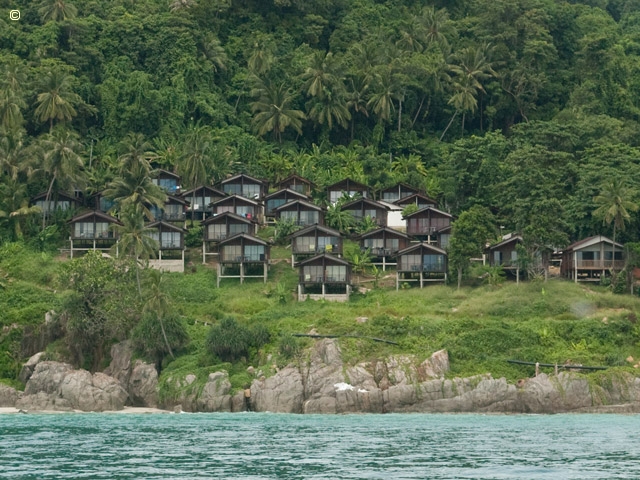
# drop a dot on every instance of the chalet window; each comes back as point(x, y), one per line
point(216, 232)
point(254, 253)
point(300, 188)
point(390, 196)
point(392, 244)
point(232, 253)
point(156, 212)
point(589, 255)
point(232, 189)
point(244, 211)
point(514, 256)
point(235, 228)
point(497, 257)
point(326, 244)
point(305, 244)
point(251, 191)
point(609, 255)
point(444, 240)
point(83, 230)
point(336, 273)
point(106, 204)
point(173, 210)
point(371, 213)
point(433, 263)
point(410, 262)
point(312, 273)
point(275, 203)
point(169, 185)
point(289, 215)
point(102, 230)
point(308, 218)
point(170, 240)
point(373, 243)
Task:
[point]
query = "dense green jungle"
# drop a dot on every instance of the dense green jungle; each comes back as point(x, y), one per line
point(516, 115)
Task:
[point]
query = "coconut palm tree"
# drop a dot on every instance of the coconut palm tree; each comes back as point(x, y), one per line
point(135, 238)
point(56, 100)
point(615, 202)
point(62, 161)
point(272, 109)
point(136, 189)
point(330, 109)
point(357, 87)
point(157, 303)
point(136, 154)
point(57, 10)
point(321, 75)
point(14, 206)
point(196, 160)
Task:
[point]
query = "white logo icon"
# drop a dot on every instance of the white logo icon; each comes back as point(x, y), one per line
point(14, 14)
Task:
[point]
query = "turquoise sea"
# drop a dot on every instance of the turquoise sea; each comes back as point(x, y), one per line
point(266, 446)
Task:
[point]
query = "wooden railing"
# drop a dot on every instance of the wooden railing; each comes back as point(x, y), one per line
point(600, 264)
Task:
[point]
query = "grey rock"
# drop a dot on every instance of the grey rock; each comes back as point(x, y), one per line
point(120, 366)
point(27, 369)
point(324, 372)
point(189, 379)
point(57, 386)
point(9, 396)
point(215, 395)
point(143, 385)
point(283, 393)
point(435, 366)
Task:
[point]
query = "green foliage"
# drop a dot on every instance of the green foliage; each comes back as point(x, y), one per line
point(193, 238)
point(229, 340)
point(289, 346)
point(149, 339)
point(284, 228)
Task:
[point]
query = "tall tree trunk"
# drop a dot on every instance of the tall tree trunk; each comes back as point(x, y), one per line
point(399, 114)
point(450, 122)
point(47, 202)
point(415, 117)
point(353, 121)
point(613, 259)
point(138, 277)
point(164, 334)
point(463, 115)
point(193, 200)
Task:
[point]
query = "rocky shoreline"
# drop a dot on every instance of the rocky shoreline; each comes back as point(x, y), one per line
point(323, 384)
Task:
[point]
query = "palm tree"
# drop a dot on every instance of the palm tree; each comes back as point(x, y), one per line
point(62, 161)
point(322, 74)
point(14, 205)
point(437, 25)
point(357, 87)
point(56, 100)
point(57, 10)
point(273, 110)
point(135, 238)
point(13, 78)
point(196, 160)
point(136, 154)
point(136, 190)
point(386, 91)
point(614, 204)
point(330, 108)
point(339, 219)
point(405, 165)
point(15, 157)
point(157, 303)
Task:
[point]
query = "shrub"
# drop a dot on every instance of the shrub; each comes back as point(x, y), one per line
point(230, 340)
point(193, 238)
point(289, 346)
point(148, 338)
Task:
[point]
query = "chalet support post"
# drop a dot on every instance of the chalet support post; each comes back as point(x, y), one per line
point(94, 243)
point(241, 273)
point(71, 242)
point(265, 271)
point(183, 259)
point(397, 281)
point(575, 267)
point(384, 262)
point(299, 292)
point(323, 290)
point(219, 268)
point(517, 275)
point(160, 257)
point(204, 252)
point(293, 263)
point(421, 279)
point(537, 369)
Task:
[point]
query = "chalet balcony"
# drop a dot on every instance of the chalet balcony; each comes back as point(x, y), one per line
point(256, 258)
point(302, 249)
point(380, 252)
point(421, 267)
point(309, 279)
point(421, 230)
point(92, 236)
point(174, 216)
point(600, 264)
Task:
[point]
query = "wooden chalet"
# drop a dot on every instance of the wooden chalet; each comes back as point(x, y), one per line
point(201, 201)
point(241, 206)
point(170, 240)
point(591, 259)
point(364, 207)
point(444, 236)
point(59, 201)
point(301, 212)
point(297, 184)
point(427, 222)
point(324, 277)
point(505, 254)
point(421, 263)
point(92, 231)
point(397, 192)
point(418, 199)
point(245, 186)
point(348, 187)
point(167, 181)
point(242, 256)
point(101, 203)
point(274, 200)
point(173, 210)
point(222, 226)
point(383, 244)
point(313, 240)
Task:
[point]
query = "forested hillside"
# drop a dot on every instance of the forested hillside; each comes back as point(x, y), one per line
point(526, 107)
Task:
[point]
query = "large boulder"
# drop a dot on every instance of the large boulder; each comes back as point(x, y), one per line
point(324, 372)
point(143, 385)
point(57, 386)
point(283, 393)
point(120, 366)
point(215, 396)
point(27, 369)
point(9, 396)
point(435, 366)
